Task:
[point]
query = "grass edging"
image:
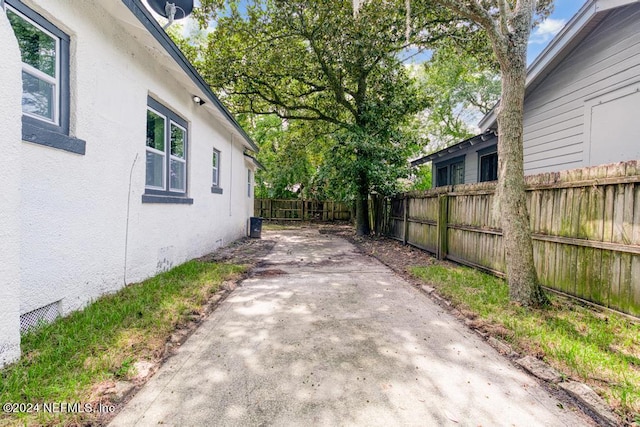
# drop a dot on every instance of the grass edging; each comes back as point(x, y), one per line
point(86, 356)
point(597, 347)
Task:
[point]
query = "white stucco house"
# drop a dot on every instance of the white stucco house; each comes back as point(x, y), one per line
point(118, 160)
point(581, 103)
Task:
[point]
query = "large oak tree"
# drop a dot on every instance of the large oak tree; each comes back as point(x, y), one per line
point(309, 60)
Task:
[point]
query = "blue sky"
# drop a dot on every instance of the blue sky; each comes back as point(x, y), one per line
point(542, 35)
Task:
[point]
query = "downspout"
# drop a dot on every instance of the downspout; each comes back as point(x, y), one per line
point(231, 178)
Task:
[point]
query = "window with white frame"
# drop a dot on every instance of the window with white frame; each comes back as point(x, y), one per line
point(44, 50)
point(166, 155)
point(215, 176)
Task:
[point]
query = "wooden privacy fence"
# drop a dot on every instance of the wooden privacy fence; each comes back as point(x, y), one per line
point(585, 225)
point(299, 210)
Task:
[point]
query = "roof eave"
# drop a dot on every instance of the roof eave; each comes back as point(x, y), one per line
point(255, 161)
point(560, 42)
point(485, 136)
point(146, 19)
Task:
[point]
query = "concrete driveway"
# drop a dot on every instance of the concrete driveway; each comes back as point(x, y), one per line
point(322, 335)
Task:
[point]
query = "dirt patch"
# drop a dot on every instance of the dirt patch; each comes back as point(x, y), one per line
point(400, 258)
point(245, 251)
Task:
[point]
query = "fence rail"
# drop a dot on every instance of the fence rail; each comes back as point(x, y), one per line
point(585, 227)
point(302, 210)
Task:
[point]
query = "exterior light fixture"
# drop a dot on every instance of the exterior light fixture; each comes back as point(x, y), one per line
point(198, 100)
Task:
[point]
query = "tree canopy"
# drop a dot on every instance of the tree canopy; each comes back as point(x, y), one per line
point(311, 61)
point(465, 89)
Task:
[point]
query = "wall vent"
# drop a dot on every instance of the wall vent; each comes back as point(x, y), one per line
point(40, 316)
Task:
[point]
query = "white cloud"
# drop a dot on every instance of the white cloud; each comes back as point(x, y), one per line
point(544, 32)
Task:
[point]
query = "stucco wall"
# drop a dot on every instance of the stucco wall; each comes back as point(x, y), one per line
point(10, 144)
point(77, 208)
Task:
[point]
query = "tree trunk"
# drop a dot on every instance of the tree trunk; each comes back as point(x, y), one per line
point(524, 286)
point(362, 206)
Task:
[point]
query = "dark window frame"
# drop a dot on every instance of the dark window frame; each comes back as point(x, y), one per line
point(167, 195)
point(486, 152)
point(55, 135)
point(447, 165)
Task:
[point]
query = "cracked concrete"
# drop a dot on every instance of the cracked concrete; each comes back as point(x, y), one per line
point(336, 338)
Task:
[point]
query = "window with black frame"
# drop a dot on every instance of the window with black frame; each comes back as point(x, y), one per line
point(450, 172)
point(488, 167)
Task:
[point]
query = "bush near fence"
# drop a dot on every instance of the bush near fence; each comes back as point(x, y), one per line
point(585, 225)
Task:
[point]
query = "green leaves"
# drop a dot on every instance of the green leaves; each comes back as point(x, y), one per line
point(337, 84)
point(463, 89)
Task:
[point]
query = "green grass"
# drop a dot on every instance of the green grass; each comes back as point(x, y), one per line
point(64, 361)
point(598, 347)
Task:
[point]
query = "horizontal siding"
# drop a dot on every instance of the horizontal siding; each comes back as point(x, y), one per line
point(559, 164)
point(541, 151)
point(566, 150)
point(547, 118)
point(551, 130)
point(573, 75)
point(535, 144)
point(471, 168)
point(608, 58)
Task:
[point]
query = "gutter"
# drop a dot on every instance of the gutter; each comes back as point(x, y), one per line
point(254, 161)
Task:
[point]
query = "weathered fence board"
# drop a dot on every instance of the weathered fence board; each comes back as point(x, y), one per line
point(299, 210)
point(585, 227)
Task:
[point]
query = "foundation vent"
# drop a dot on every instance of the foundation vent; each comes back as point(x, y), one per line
point(40, 316)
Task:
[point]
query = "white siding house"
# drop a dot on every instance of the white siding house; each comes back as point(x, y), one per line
point(582, 99)
point(112, 171)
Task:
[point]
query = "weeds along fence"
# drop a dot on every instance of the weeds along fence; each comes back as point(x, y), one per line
point(585, 225)
point(302, 210)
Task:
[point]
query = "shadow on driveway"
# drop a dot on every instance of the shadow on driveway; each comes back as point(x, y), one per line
point(322, 335)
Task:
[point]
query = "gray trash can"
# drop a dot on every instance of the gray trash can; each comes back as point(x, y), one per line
point(255, 227)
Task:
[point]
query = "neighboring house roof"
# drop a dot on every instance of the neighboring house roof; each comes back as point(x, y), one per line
point(580, 25)
point(456, 147)
point(216, 107)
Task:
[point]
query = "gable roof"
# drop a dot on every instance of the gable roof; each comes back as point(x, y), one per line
point(214, 105)
point(580, 25)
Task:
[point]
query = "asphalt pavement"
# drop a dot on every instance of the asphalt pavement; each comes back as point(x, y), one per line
point(321, 335)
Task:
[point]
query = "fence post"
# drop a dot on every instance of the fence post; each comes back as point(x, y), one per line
point(443, 214)
point(406, 222)
point(387, 215)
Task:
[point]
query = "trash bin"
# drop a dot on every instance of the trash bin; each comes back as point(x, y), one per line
point(255, 227)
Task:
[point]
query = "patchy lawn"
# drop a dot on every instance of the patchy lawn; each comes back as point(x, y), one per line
point(598, 347)
point(85, 357)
